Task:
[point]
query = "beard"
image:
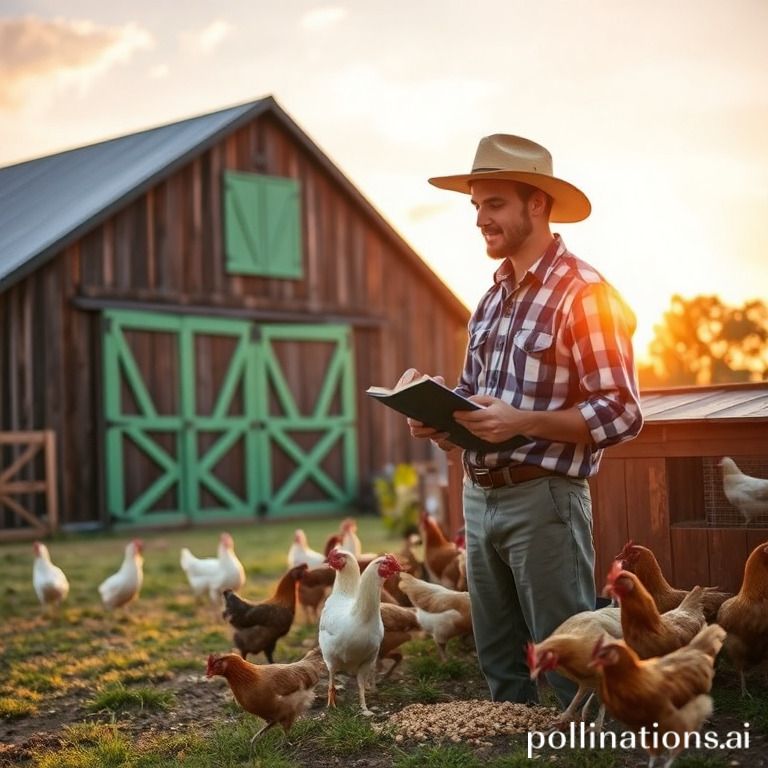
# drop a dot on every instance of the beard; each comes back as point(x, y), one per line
point(513, 239)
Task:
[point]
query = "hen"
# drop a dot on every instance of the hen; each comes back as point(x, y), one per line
point(568, 650)
point(278, 693)
point(745, 616)
point(214, 574)
point(643, 563)
point(300, 552)
point(351, 627)
point(663, 694)
point(313, 589)
point(50, 583)
point(748, 494)
point(440, 555)
point(258, 626)
point(441, 612)
point(644, 629)
point(122, 587)
point(400, 624)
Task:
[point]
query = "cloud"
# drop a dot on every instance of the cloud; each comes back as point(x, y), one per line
point(35, 51)
point(322, 18)
point(206, 40)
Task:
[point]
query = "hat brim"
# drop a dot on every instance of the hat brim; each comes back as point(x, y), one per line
point(569, 203)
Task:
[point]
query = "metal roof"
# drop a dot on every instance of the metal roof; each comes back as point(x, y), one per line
point(47, 203)
point(727, 402)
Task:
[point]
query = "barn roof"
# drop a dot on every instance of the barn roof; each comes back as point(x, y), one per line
point(726, 402)
point(48, 203)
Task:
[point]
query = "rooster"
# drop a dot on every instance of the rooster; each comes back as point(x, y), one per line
point(668, 693)
point(351, 627)
point(644, 629)
point(122, 587)
point(214, 574)
point(441, 612)
point(643, 563)
point(440, 555)
point(748, 494)
point(258, 626)
point(50, 583)
point(745, 616)
point(568, 650)
point(278, 693)
point(300, 552)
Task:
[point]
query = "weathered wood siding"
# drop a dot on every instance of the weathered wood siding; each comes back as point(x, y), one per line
point(165, 250)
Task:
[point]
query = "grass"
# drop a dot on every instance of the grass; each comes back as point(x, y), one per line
point(122, 688)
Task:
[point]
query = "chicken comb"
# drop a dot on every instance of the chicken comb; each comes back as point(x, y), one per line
point(626, 551)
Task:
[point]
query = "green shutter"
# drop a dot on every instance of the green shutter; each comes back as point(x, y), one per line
point(262, 225)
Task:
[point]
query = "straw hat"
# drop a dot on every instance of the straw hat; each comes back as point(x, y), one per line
point(512, 158)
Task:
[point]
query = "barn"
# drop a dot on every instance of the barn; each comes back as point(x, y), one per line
point(189, 317)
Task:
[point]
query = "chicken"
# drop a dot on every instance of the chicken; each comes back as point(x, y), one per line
point(748, 494)
point(351, 627)
point(644, 629)
point(400, 624)
point(258, 626)
point(441, 612)
point(568, 650)
point(214, 574)
point(349, 538)
point(50, 583)
point(313, 589)
point(122, 587)
point(745, 616)
point(278, 694)
point(670, 690)
point(642, 562)
point(440, 555)
point(300, 552)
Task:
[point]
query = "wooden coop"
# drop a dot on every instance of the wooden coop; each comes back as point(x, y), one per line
point(194, 313)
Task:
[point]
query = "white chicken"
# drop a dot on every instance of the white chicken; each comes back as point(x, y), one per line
point(50, 583)
point(122, 587)
point(748, 494)
point(441, 612)
point(300, 552)
point(214, 575)
point(349, 538)
point(351, 628)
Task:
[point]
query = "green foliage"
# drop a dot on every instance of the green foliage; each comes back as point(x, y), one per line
point(345, 731)
point(397, 495)
point(701, 340)
point(453, 756)
point(116, 698)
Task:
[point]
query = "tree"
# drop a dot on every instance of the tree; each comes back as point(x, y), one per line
point(704, 341)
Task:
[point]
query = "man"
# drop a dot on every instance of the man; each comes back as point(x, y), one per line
point(550, 357)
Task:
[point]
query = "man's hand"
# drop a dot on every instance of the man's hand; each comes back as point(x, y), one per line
point(496, 422)
point(419, 430)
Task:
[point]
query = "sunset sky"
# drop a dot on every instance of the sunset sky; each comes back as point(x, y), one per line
point(658, 110)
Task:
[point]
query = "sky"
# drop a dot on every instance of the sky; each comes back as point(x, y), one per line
point(657, 110)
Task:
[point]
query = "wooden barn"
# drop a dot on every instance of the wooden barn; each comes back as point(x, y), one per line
point(189, 317)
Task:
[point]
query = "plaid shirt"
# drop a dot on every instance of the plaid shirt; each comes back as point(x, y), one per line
point(558, 339)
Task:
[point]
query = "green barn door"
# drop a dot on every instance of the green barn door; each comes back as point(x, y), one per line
point(308, 449)
point(180, 406)
point(209, 418)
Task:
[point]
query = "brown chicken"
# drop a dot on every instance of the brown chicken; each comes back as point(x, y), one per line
point(400, 624)
point(745, 616)
point(278, 693)
point(643, 563)
point(644, 629)
point(441, 612)
point(440, 555)
point(568, 650)
point(258, 626)
point(669, 690)
point(314, 587)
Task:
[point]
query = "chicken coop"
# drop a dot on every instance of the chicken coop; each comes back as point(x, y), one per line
point(189, 318)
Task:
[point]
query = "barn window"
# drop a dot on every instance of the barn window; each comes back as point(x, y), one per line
point(262, 225)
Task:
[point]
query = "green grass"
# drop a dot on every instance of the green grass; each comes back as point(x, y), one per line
point(344, 731)
point(118, 698)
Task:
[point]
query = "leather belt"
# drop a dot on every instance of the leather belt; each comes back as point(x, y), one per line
point(502, 477)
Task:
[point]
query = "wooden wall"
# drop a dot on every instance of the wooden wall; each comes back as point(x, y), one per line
point(165, 250)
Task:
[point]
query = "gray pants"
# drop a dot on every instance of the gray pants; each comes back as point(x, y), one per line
point(530, 565)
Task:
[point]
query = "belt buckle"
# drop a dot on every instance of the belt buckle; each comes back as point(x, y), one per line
point(479, 475)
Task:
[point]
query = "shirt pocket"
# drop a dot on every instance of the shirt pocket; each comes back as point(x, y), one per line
point(533, 360)
point(533, 342)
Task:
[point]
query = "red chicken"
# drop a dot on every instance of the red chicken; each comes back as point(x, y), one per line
point(440, 555)
point(643, 563)
point(668, 693)
point(278, 693)
point(745, 616)
point(644, 629)
point(400, 624)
